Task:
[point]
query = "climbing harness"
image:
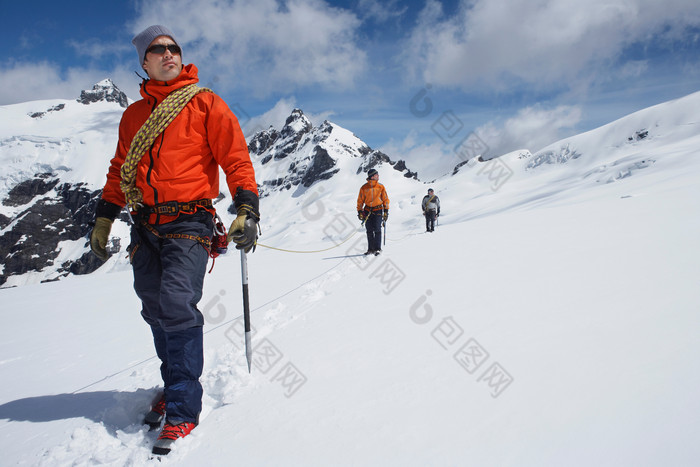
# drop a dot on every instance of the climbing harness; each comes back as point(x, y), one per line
point(173, 208)
point(218, 245)
point(204, 241)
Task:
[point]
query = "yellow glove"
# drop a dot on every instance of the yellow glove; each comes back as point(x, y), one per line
point(243, 232)
point(99, 237)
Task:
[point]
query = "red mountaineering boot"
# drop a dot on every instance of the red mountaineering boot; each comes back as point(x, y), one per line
point(169, 434)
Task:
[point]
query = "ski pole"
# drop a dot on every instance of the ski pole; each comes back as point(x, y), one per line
point(246, 307)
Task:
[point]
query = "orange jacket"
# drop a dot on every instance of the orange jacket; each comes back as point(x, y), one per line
point(372, 197)
point(183, 163)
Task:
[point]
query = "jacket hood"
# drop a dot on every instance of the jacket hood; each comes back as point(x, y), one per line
point(159, 90)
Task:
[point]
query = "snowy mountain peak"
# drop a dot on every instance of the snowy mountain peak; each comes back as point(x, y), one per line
point(104, 90)
point(296, 123)
point(301, 154)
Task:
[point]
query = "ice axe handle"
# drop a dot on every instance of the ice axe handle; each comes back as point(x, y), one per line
point(246, 308)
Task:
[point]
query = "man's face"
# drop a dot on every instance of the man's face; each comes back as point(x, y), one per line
point(375, 177)
point(164, 66)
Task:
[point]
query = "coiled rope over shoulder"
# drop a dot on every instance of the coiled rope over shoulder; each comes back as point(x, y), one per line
point(161, 117)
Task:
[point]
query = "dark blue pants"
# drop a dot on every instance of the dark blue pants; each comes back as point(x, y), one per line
point(430, 220)
point(182, 359)
point(168, 278)
point(373, 224)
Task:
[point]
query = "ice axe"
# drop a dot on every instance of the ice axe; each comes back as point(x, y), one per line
point(246, 307)
point(384, 225)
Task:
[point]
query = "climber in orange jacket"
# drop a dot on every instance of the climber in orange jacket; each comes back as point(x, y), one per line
point(373, 211)
point(166, 171)
point(183, 163)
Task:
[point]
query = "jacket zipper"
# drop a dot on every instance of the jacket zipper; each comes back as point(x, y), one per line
point(151, 163)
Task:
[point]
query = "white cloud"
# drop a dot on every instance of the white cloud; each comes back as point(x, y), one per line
point(31, 81)
point(633, 68)
point(430, 160)
point(532, 128)
point(264, 46)
point(275, 117)
point(380, 11)
point(95, 48)
point(495, 43)
point(23, 82)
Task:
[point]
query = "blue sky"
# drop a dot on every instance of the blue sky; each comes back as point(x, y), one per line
point(411, 78)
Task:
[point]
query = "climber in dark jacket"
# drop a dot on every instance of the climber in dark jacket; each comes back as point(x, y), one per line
point(431, 209)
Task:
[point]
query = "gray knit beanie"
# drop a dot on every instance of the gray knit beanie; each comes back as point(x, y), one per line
point(145, 37)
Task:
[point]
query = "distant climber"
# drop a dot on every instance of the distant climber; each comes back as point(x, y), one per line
point(431, 209)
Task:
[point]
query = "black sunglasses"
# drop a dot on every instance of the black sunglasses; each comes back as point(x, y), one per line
point(160, 49)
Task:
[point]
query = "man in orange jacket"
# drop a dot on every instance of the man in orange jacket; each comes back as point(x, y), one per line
point(166, 171)
point(373, 211)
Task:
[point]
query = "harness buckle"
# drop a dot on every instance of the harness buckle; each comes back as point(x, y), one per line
point(168, 208)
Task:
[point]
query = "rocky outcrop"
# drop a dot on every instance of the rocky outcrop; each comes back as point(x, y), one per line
point(55, 108)
point(376, 158)
point(105, 90)
point(55, 213)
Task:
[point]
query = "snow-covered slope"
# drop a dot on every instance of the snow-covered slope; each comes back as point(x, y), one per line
point(71, 138)
point(551, 319)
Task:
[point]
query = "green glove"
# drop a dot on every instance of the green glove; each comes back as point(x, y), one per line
point(243, 232)
point(386, 215)
point(99, 237)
